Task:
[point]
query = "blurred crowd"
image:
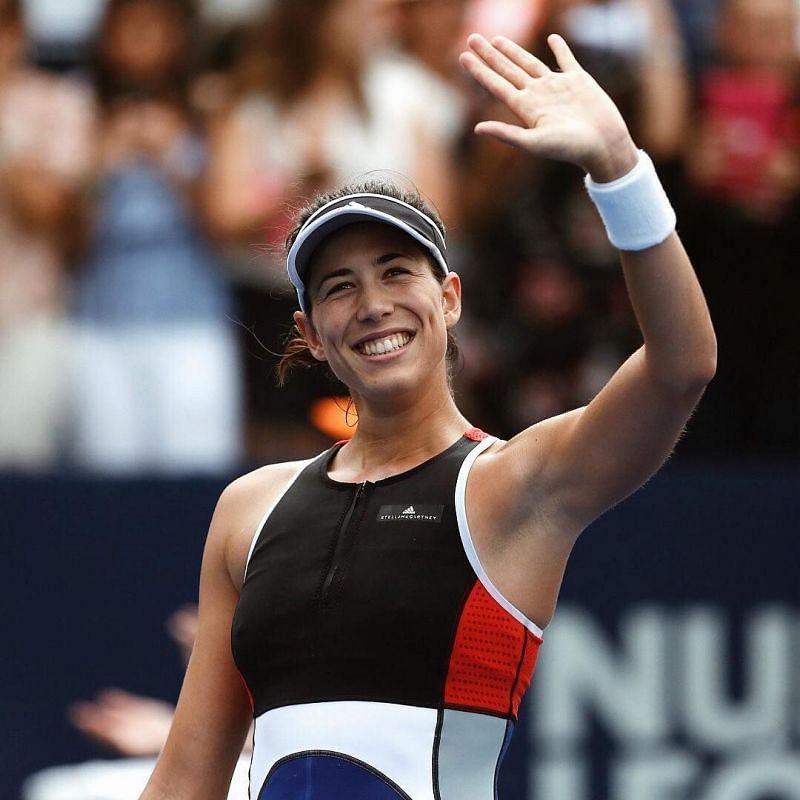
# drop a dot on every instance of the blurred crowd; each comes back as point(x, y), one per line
point(149, 172)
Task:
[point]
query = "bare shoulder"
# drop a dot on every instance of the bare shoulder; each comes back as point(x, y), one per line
point(242, 506)
point(260, 485)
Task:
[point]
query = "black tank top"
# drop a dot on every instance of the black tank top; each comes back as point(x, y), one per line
point(372, 593)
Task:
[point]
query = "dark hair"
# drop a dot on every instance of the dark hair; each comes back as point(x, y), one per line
point(173, 86)
point(295, 350)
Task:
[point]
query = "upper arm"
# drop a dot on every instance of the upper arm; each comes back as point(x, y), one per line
point(213, 712)
point(579, 464)
point(582, 463)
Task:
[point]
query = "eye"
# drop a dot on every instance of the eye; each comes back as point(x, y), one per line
point(338, 287)
point(395, 270)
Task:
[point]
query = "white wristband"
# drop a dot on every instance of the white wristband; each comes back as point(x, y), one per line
point(635, 208)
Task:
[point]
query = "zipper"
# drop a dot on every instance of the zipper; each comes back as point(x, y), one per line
point(337, 555)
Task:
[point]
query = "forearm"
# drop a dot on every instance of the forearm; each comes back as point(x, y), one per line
point(200, 755)
point(680, 345)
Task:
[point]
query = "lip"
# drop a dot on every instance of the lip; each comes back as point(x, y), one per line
point(382, 335)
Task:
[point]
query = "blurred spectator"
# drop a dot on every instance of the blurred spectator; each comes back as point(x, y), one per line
point(62, 32)
point(45, 126)
point(435, 31)
point(745, 149)
point(320, 102)
point(432, 31)
point(156, 378)
point(740, 223)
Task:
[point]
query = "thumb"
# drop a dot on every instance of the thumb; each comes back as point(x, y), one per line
point(509, 134)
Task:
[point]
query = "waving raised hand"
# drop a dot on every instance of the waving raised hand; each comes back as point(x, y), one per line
point(564, 115)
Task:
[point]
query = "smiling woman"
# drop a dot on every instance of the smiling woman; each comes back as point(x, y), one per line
point(377, 610)
point(374, 200)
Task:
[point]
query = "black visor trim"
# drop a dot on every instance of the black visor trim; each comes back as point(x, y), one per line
point(360, 208)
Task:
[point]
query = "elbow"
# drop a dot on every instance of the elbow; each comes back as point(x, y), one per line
point(707, 363)
point(700, 378)
point(700, 369)
point(710, 368)
point(691, 373)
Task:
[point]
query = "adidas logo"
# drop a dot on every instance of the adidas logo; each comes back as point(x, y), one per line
point(408, 511)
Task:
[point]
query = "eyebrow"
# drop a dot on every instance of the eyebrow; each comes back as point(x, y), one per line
point(384, 259)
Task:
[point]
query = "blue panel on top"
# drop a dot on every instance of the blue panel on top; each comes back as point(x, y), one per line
point(327, 776)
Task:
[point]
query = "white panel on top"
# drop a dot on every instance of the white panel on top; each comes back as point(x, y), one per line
point(396, 740)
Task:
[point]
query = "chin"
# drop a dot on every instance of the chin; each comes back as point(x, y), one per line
point(385, 388)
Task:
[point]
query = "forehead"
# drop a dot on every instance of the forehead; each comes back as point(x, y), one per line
point(361, 243)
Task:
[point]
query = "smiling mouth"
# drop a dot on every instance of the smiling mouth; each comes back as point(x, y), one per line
point(386, 344)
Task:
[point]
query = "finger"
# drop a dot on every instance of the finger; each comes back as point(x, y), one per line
point(564, 56)
point(521, 57)
point(487, 77)
point(497, 61)
point(502, 131)
point(88, 719)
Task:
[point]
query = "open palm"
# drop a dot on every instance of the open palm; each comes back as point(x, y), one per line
point(564, 115)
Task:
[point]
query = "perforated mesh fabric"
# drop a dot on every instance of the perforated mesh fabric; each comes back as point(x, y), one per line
point(493, 657)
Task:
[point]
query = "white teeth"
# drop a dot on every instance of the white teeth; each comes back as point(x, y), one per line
point(389, 344)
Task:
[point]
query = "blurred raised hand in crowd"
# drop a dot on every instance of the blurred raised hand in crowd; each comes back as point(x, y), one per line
point(128, 725)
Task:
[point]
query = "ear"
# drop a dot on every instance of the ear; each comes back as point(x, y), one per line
point(309, 333)
point(451, 299)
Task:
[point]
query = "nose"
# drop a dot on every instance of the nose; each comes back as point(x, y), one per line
point(374, 302)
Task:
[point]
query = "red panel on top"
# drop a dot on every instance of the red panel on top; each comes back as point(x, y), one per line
point(493, 657)
point(476, 434)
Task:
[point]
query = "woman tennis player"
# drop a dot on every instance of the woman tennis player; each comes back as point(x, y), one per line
point(377, 610)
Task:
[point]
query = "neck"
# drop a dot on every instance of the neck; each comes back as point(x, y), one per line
point(392, 440)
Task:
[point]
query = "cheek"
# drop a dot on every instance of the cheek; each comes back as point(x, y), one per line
point(437, 323)
point(331, 334)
